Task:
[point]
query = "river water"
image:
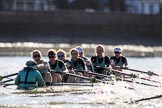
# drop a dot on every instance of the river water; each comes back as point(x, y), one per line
point(99, 96)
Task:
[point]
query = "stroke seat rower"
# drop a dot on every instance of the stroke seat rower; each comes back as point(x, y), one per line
point(100, 62)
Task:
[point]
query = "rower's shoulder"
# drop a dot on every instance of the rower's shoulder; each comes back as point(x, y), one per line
point(93, 57)
point(67, 61)
point(60, 62)
point(106, 57)
point(85, 58)
point(112, 57)
point(123, 57)
point(80, 59)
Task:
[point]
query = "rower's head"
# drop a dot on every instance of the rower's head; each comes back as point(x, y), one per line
point(61, 54)
point(30, 63)
point(117, 52)
point(81, 51)
point(100, 50)
point(52, 54)
point(74, 53)
point(36, 55)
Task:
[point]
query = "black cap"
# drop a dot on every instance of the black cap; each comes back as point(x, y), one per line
point(51, 53)
point(30, 63)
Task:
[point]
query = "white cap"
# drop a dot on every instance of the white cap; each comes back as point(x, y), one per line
point(79, 49)
point(117, 50)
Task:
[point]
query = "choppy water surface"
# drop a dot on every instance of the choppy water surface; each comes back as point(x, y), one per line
point(98, 96)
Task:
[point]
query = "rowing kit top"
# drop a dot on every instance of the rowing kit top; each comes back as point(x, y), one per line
point(29, 78)
point(118, 61)
point(101, 62)
point(78, 65)
point(59, 64)
point(89, 67)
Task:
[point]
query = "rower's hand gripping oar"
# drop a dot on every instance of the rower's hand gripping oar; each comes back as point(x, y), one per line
point(6, 76)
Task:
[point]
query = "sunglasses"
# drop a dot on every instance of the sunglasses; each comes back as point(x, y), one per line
point(36, 56)
point(99, 49)
point(60, 55)
point(74, 54)
point(51, 56)
point(116, 52)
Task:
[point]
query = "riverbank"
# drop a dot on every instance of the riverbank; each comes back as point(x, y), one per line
point(137, 35)
point(24, 49)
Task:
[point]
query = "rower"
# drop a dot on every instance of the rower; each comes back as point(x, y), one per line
point(61, 55)
point(118, 61)
point(86, 60)
point(55, 65)
point(29, 77)
point(77, 63)
point(100, 62)
point(42, 66)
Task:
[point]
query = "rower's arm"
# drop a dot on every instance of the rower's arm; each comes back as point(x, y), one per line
point(63, 67)
point(125, 62)
point(82, 63)
point(107, 61)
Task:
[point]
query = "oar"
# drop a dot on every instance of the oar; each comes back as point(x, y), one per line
point(6, 84)
point(93, 73)
point(131, 75)
point(144, 99)
point(73, 84)
point(148, 73)
point(141, 83)
point(149, 98)
point(92, 79)
point(135, 76)
point(2, 77)
point(7, 81)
